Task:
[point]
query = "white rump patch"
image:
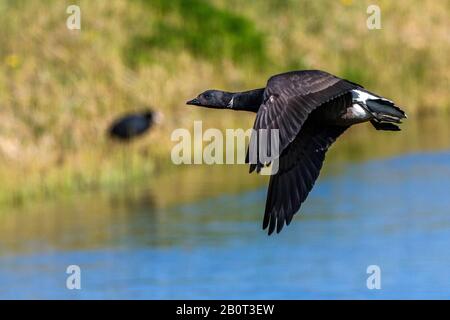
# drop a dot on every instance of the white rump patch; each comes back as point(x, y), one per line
point(362, 96)
point(358, 111)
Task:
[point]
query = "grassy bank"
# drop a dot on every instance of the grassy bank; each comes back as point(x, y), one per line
point(60, 89)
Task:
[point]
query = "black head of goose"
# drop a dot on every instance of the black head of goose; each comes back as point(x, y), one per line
point(310, 109)
point(217, 99)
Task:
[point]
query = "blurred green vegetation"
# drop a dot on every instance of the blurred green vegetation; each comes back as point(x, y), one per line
point(206, 31)
point(60, 89)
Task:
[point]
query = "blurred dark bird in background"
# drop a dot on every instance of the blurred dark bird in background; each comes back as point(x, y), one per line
point(133, 125)
point(310, 109)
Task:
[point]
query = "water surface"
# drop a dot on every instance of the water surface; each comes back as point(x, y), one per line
point(393, 213)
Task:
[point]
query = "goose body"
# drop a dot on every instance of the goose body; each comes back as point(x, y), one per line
point(310, 109)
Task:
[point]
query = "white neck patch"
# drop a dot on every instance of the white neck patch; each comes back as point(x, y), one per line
point(231, 103)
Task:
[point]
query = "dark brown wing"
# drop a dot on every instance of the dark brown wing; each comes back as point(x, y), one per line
point(299, 167)
point(289, 98)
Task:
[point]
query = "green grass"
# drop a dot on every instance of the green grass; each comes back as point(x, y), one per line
point(206, 32)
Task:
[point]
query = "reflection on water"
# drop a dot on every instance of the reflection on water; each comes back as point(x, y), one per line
point(198, 235)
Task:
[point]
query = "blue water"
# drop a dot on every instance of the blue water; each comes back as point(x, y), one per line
point(393, 213)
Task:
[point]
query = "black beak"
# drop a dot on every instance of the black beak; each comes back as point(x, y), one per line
point(194, 102)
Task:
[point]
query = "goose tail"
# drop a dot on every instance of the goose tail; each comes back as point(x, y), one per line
point(385, 113)
point(385, 110)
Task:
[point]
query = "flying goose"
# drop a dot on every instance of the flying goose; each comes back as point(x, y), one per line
point(310, 109)
point(132, 125)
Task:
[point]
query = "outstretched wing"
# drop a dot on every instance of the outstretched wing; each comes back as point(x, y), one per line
point(289, 98)
point(299, 167)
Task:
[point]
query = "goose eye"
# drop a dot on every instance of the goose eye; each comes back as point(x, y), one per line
point(207, 96)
